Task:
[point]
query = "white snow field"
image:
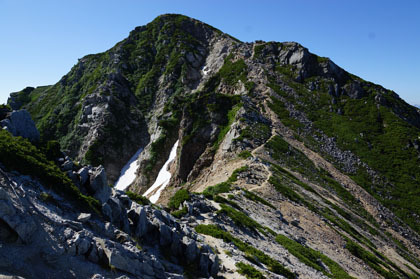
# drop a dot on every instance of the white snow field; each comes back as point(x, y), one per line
point(163, 177)
point(128, 172)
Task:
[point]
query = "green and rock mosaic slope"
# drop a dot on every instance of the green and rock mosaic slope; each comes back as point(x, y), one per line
point(322, 146)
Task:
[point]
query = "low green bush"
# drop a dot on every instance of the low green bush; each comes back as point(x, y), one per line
point(245, 154)
point(138, 198)
point(177, 199)
point(17, 153)
point(312, 258)
point(210, 191)
point(273, 265)
point(180, 213)
point(254, 197)
point(249, 271)
point(221, 199)
point(370, 259)
point(240, 218)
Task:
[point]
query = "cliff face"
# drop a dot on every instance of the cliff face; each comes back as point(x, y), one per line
point(306, 169)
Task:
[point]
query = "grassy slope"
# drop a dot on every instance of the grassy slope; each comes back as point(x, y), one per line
point(372, 132)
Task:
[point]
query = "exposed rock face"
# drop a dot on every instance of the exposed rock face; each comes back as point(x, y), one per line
point(310, 164)
point(46, 232)
point(19, 123)
point(98, 184)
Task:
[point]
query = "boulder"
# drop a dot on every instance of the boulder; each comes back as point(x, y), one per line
point(84, 175)
point(141, 228)
point(73, 176)
point(116, 210)
point(125, 260)
point(98, 184)
point(84, 217)
point(165, 235)
point(355, 91)
point(191, 251)
point(20, 222)
point(67, 165)
point(20, 123)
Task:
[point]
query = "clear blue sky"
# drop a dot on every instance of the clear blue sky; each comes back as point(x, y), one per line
point(378, 40)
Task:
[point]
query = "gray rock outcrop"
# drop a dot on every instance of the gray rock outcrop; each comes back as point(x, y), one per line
point(99, 185)
point(48, 238)
point(19, 123)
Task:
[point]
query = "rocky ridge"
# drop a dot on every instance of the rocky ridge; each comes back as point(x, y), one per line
point(42, 230)
point(304, 168)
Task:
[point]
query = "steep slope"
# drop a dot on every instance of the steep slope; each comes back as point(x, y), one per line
point(313, 167)
point(76, 226)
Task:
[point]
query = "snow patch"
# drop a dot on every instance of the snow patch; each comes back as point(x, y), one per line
point(163, 177)
point(128, 172)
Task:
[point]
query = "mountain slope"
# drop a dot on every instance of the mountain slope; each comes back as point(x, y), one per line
point(334, 159)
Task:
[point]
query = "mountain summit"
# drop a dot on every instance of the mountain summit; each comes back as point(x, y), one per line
point(286, 165)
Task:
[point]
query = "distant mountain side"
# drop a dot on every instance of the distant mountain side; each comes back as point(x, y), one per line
point(285, 163)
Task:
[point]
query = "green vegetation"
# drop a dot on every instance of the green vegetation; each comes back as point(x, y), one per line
point(232, 72)
point(245, 154)
point(312, 258)
point(280, 109)
point(254, 197)
point(138, 198)
point(258, 50)
point(240, 218)
point(179, 197)
point(93, 156)
point(380, 135)
point(52, 150)
point(20, 155)
point(221, 199)
point(210, 191)
point(298, 162)
point(236, 172)
point(249, 271)
point(272, 264)
point(46, 197)
point(180, 213)
point(223, 187)
point(256, 131)
point(225, 128)
point(292, 158)
point(278, 179)
point(287, 191)
point(5, 107)
point(370, 259)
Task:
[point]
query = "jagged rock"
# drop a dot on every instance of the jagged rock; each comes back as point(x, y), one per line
point(355, 91)
point(107, 211)
point(128, 261)
point(84, 175)
point(141, 221)
point(67, 165)
point(20, 222)
point(98, 184)
point(83, 246)
point(191, 251)
point(20, 123)
point(116, 209)
point(165, 234)
point(93, 254)
point(84, 217)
